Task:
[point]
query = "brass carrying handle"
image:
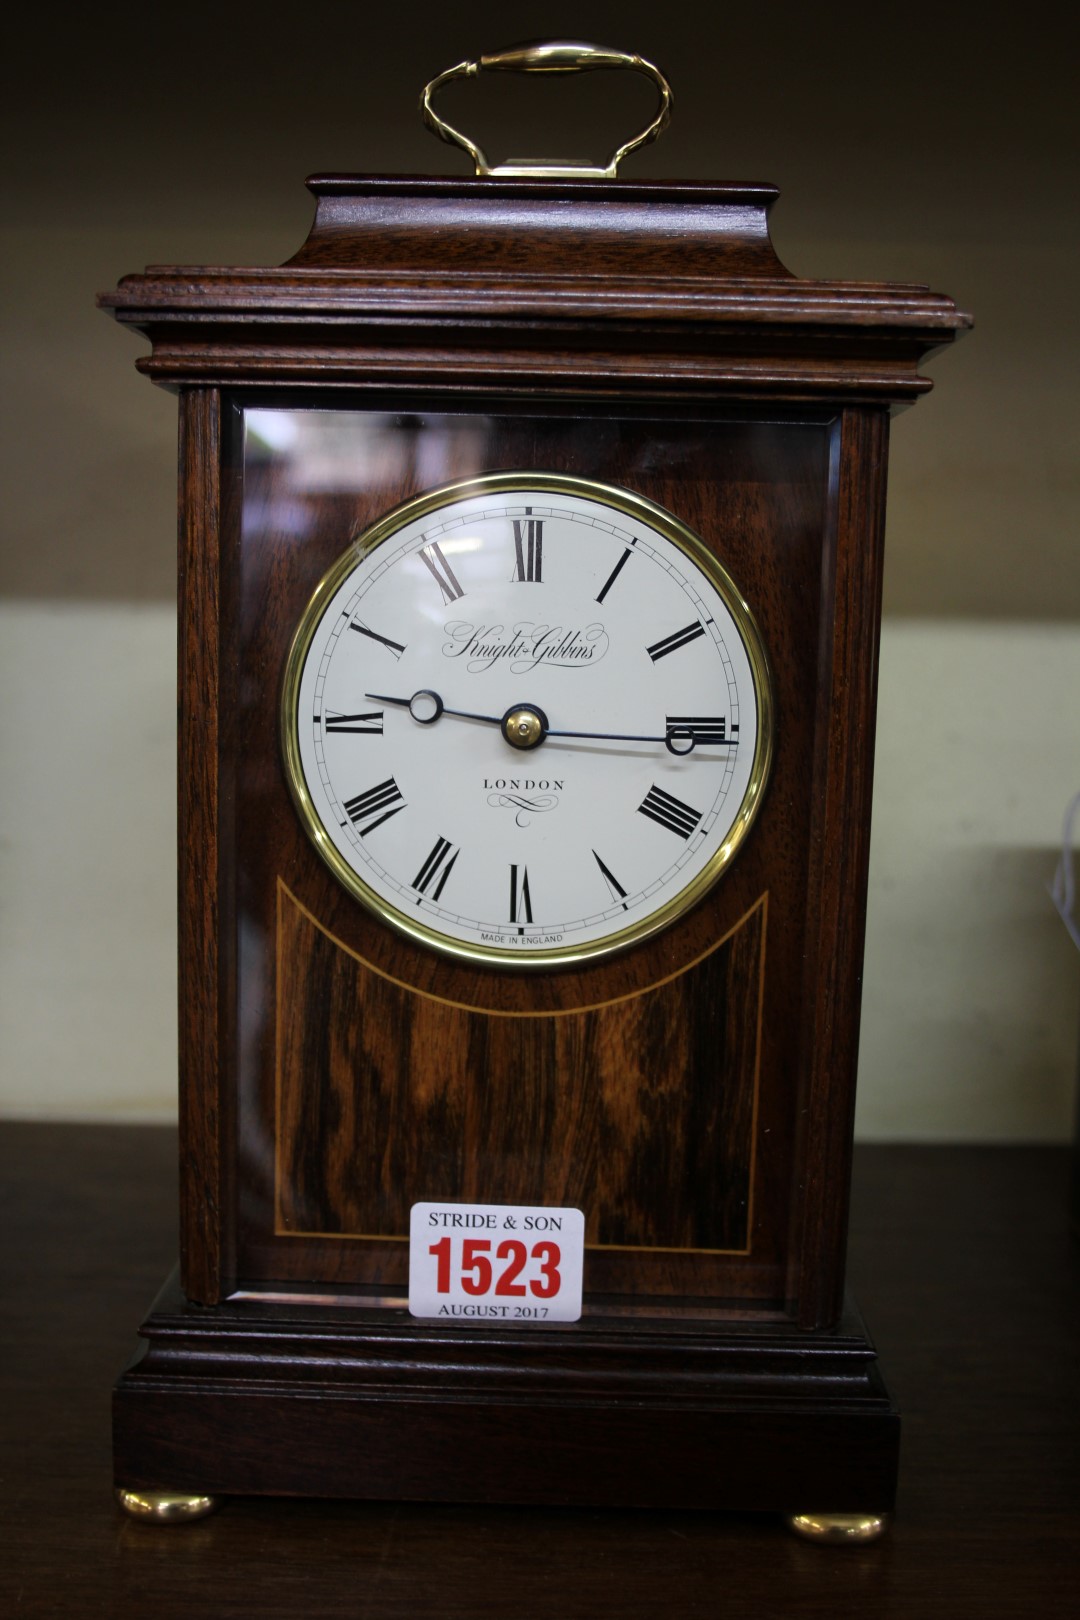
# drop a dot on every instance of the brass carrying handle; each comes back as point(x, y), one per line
point(549, 56)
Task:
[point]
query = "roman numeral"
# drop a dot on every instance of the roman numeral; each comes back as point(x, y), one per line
point(679, 638)
point(442, 572)
point(439, 864)
point(617, 890)
point(613, 576)
point(520, 899)
point(361, 725)
point(376, 802)
point(394, 647)
point(529, 546)
point(669, 812)
point(697, 728)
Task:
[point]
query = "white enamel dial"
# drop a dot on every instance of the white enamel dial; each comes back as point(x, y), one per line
point(527, 719)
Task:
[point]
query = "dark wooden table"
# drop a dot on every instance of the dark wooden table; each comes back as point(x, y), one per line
point(961, 1260)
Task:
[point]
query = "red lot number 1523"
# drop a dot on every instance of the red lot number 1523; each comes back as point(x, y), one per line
point(477, 1271)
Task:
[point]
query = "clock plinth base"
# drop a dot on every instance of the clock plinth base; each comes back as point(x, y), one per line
point(256, 1398)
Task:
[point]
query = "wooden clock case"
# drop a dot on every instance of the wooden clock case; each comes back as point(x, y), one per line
point(693, 1095)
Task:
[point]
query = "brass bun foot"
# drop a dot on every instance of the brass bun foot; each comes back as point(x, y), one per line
point(166, 1507)
point(839, 1529)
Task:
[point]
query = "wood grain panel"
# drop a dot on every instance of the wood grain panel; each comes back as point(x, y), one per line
point(639, 1112)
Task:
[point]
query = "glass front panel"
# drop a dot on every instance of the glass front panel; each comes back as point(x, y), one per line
point(517, 920)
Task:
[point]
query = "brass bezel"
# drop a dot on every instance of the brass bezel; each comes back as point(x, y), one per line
point(630, 505)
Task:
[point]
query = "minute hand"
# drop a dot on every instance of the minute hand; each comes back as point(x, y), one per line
point(678, 740)
point(605, 736)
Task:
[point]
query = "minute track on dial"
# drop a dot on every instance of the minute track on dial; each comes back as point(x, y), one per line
point(675, 734)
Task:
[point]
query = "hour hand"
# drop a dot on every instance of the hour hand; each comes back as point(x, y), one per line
point(523, 726)
point(426, 707)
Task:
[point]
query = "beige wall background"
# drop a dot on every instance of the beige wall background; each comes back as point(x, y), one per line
point(933, 147)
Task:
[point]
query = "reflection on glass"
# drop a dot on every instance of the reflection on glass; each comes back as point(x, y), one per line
point(347, 451)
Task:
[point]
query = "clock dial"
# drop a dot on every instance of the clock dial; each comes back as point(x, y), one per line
point(527, 719)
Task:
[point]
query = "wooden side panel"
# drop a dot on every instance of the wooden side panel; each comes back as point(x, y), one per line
point(840, 854)
point(202, 1037)
point(210, 493)
point(639, 1112)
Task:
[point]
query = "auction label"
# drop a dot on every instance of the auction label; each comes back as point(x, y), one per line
point(496, 1262)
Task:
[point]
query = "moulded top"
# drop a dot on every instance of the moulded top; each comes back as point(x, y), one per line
point(518, 285)
point(418, 222)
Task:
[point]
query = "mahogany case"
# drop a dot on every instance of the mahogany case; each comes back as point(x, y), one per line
point(694, 1095)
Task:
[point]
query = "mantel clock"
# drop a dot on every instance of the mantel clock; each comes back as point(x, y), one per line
point(530, 563)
